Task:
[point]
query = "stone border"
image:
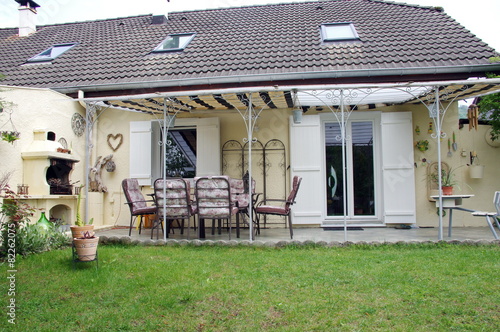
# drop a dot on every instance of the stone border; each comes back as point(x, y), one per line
point(125, 240)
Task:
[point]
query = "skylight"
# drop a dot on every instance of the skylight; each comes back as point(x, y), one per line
point(338, 31)
point(176, 42)
point(51, 53)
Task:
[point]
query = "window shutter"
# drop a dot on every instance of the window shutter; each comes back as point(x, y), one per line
point(140, 152)
point(398, 168)
point(305, 158)
point(208, 147)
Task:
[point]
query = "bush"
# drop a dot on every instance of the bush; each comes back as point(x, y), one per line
point(14, 223)
point(32, 239)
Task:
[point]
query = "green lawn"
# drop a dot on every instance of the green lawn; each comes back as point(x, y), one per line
point(422, 287)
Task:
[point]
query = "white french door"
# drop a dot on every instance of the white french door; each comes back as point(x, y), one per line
point(361, 201)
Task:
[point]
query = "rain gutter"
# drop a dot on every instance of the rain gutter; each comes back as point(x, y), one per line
point(480, 69)
point(295, 87)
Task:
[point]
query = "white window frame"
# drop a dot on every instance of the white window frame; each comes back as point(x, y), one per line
point(375, 118)
point(145, 157)
point(55, 51)
point(329, 28)
point(181, 47)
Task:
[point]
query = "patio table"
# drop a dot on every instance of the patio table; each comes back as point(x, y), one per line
point(450, 203)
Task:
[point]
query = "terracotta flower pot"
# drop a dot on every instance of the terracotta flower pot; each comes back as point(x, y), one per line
point(77, 231)
point(86, 249)
point(447, 190)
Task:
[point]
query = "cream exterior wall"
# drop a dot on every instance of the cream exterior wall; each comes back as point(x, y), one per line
point(51, 111)
point(482, 189)
point(35, 110)
point(273, 124)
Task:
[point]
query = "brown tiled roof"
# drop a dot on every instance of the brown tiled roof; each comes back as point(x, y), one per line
point(248, 43)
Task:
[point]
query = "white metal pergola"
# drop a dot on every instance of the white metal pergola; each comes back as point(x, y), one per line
point(340, 100)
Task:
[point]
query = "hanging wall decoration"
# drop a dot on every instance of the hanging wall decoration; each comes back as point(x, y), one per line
point(12, 135)
point(115, 141)
point(473, 116)
point(78, 124)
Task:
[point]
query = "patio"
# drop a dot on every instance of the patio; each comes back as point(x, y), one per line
point(317, 234)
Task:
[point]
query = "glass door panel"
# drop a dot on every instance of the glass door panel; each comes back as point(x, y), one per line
point(362, 168)
point(334, 174)
point(360, 181)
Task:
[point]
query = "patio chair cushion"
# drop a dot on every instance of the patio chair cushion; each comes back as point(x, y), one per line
point(213, 197)
point(177, 196)
point(269, 209)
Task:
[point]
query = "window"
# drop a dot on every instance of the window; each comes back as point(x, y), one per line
point(51, 53)
point(200, 145)
point(338, 31)
point(180, 153)
point(175, 42)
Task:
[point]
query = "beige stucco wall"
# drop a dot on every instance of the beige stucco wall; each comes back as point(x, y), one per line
point(467, 141)
point(51, 111)
point(270, 125)
point(38, 109)
point(273, 124)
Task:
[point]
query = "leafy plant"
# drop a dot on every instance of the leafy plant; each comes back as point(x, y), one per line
point(79, 220)
point(422, 145)
point(10, 136)
point(30, 240)
point(447, 177)
point(14, 224)
point(87, 235)
point(489, 107)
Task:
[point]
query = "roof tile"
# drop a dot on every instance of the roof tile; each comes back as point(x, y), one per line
point(270, 39)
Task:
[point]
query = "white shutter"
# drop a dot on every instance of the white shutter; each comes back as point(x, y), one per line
point(398, 168)
point(208, 162)
point(305, 160)
point(140, 152)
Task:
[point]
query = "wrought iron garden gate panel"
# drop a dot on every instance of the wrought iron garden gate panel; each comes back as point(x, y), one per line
point(269, 168)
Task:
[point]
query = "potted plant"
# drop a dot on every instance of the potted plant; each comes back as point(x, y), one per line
point(10, 136)
point(81, 226)
point(422, 145)
point(447, 179)
point(86, 246)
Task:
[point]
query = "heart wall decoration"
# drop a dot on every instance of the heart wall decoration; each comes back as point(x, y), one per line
point(115, 141)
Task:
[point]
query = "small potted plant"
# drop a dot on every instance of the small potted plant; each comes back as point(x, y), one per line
point(81, 226)
point(10, 136)
point(422, 145)
point(447, 180)
point(86, 246)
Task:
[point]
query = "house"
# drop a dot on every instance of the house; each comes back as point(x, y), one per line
point(364, 71)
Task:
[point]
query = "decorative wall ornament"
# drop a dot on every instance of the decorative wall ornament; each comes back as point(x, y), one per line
point(115, 141)
point(473, 116)
point(78, 124)
point(110, 166)
point(422, 145)
point(95, 179)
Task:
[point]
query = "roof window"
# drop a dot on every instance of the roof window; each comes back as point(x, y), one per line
point(176, 42)
point(338, 31)
point(51, 53)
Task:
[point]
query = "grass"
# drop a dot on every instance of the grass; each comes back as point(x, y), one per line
point(424, 287)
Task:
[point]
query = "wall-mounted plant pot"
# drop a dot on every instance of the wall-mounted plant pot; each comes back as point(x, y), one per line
point(447, 190)
point(476, 171)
